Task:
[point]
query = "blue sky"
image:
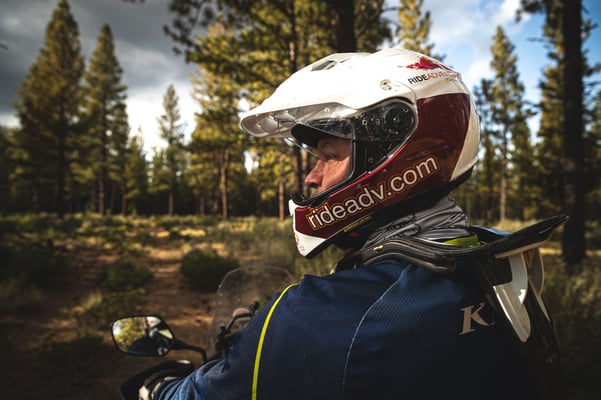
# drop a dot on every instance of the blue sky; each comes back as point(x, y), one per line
point(464, 33)
point(462, 30)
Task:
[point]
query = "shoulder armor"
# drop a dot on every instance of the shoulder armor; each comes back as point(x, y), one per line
point(442, 258)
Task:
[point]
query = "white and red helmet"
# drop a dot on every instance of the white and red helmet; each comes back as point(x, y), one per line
point(414, 132)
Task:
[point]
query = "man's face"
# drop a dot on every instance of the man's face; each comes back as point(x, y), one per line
point(332, 164)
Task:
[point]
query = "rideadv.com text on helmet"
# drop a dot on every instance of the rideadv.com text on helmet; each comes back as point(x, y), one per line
point(371, 196)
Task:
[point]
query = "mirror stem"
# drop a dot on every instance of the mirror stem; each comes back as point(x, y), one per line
point(180, 345)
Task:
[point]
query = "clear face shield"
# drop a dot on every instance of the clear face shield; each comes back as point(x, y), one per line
point(391, 121)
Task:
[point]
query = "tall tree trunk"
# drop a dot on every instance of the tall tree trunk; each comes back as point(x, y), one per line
point(35, 199)
point(171, 197)
point(573, 240)
point(101, 194)
point(297, 166)
point(223, 183)
point(62, 166)
point(123, 197)
point(172, 172)
point(201, 205)
point(62, 162)
point(103, 173)
point(504, 179)
point(281, 199)
point(346, 40)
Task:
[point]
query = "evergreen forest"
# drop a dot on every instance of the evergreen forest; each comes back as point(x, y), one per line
point(74, 151)
point(78, 189)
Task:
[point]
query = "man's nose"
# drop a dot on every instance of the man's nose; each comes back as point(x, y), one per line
point(315, 176)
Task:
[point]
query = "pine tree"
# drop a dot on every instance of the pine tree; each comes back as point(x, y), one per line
point(562, 126)
point(118, 156)
point(549, 148)
point(171, 131)
point(49, 116)
point(135, 191)
point(158, 186)
point(593, 162)
point(548, 151)
point(106, 119)
point(413, 30)
point(524, 188)
point(508, 117)
point(217, 138)
point(488, 169)
point(6, 137)
point(261, 43)
point(573, 241)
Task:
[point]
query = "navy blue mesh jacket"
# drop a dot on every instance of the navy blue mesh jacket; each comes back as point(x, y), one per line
point(387, 331)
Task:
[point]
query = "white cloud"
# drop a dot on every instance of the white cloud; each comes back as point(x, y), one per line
point(477, 70)
point(452, 24)
point(506, 12)
point(144, 52)
point(145, 66)
point(145, 106)
point(8, 119)
point(463, 31)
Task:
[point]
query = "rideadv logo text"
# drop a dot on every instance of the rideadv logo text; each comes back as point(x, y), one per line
point(370, 196)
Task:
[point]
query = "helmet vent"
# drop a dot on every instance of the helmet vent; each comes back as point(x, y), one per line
point(324, 65)
point(327, 64)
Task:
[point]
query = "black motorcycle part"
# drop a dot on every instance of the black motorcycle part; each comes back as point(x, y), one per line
point(130, 388)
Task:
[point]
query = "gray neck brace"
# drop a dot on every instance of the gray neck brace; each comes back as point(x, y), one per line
point(444, 220)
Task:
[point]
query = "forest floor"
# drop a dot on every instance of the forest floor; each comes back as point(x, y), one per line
point(56, 349)
point(44, 357)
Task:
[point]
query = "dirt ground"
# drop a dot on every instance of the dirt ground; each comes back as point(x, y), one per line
point(25, 374)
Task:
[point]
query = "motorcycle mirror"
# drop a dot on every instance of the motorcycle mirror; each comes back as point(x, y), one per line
point(142, 335)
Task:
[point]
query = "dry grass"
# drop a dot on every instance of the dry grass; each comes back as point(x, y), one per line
point(43, 325)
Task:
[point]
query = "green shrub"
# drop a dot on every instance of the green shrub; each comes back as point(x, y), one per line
point(271, 242)
point(8, 225)
point(124, 276)
point(47, 268)
point(175, 234)
point(130, 247)
point(321, 265)
point(575, 305)
point(76, 361)
point(27, 268)
point(35, 222)
point(204, 270)
point(40, 265)
point(10, 267)
point(17, 297)
point(593, 234)
point(103, 309)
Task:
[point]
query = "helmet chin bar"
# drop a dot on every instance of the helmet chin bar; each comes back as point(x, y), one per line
point(409, 206)
point(311, 246)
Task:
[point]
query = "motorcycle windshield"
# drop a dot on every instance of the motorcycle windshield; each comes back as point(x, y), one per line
point(241, 293)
